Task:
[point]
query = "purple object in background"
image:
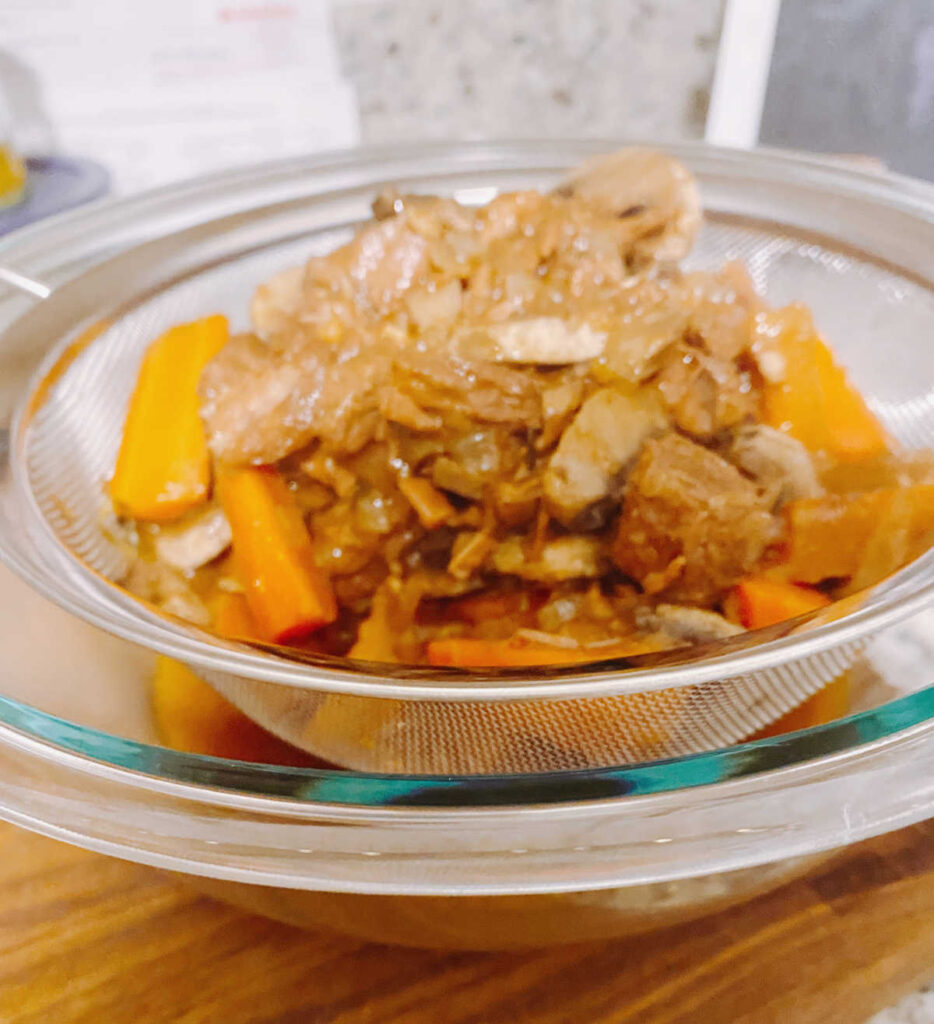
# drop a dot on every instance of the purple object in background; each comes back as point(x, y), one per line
point(54, 184)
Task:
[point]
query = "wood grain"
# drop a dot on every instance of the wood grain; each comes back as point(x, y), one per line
point(88, 940)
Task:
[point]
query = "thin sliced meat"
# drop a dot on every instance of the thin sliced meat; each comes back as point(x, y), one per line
point(481, 390)
point(383, 262)
point(260, 404)
point(350, 287)
point(639, 339)
point(721, 311)
point(277, 302)
point(704, 394)
point(252, 401)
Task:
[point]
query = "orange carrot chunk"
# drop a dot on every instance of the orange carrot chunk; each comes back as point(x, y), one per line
point(762, 602)
point(811, 397)
point(163, 467)
point(827, 705)
point(287, 594)
point(473, 652)
point(191, 716)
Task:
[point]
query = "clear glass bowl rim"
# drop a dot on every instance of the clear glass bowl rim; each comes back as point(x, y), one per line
point(854, 735)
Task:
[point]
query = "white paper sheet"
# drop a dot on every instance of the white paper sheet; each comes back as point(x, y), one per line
point(161, 91)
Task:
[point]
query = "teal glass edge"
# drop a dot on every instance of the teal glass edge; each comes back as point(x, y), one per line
point(360, 789)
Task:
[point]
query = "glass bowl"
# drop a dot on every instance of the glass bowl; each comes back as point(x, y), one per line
point(854, 247)
point(446, 860)
point(458, 862)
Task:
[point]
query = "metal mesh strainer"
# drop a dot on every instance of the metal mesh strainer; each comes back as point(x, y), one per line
point(775, 214)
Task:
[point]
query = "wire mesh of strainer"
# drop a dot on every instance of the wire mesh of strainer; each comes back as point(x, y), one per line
point(425, 721)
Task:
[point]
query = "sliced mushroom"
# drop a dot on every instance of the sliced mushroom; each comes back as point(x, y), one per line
point(605, 435)
point(199, 539)
point(779, 463)
point(634, 182)
point(681, 622)
point(544, 340)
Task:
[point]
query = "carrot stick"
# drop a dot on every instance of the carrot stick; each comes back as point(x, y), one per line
point(814, 401)
point(288, 596)
point(762, 602)
point(472, 652)
point(163, 467)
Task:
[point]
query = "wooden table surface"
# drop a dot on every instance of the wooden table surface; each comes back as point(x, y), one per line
point(89, 940)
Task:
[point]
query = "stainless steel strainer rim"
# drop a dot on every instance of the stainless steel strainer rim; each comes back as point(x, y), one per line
point(888, 604)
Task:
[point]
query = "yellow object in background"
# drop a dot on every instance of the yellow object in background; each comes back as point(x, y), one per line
point(12, 175)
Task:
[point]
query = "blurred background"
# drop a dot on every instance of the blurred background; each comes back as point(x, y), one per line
point(106, 95)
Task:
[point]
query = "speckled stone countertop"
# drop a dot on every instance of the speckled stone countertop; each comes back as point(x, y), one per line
point(526, 68)
point(916, 1009)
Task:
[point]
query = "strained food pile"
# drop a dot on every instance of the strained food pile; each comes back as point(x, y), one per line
point(510, 435)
